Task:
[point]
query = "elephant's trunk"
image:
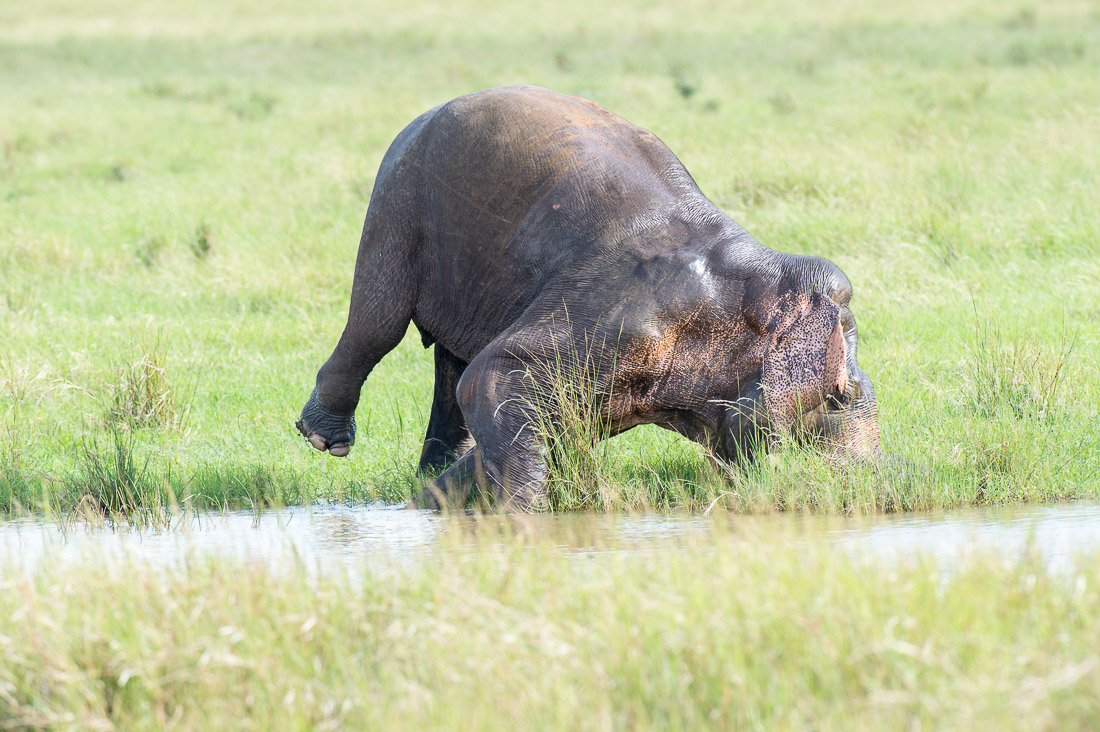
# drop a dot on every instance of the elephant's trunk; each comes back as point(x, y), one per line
point(850, 430)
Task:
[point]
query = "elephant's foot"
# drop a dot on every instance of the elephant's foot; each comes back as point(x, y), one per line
point(452, 488)
point(432, 497)
point(326, 430)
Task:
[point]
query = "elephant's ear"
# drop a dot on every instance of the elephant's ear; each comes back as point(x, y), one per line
point(806, 363)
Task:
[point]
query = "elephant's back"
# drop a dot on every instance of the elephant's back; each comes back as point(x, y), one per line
point(519, 184)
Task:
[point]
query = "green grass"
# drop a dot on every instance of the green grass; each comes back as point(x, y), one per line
point(723, 633)
point(182, 188)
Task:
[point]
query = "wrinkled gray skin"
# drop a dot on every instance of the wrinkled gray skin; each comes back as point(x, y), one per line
point(516, 225)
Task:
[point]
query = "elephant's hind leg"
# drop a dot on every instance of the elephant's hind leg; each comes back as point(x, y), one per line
point(447, 430)
point(382, 303)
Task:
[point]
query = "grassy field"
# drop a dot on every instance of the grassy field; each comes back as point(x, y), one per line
point(727, 635)
point(182, 188)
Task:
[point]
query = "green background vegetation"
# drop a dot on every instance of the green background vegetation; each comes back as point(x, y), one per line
point(182, 187)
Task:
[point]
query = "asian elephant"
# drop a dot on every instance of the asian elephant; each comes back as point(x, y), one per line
point(515, 225)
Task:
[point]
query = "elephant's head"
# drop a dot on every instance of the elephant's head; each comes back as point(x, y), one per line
point(804, 380)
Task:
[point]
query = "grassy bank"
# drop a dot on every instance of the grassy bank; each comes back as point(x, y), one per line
point(745, 635)
point(181, 191)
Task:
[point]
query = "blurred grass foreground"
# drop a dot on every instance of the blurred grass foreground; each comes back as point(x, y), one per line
point(746, 635)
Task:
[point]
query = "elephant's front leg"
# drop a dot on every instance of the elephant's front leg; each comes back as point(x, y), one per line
point(495, 395)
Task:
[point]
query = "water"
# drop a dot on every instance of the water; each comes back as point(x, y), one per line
point(327, 537)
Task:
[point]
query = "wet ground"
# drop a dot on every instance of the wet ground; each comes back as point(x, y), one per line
point(324, 538)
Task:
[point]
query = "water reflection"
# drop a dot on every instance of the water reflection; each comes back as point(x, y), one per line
point(328, 537)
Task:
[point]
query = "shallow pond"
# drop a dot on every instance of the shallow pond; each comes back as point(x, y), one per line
point(334, 537)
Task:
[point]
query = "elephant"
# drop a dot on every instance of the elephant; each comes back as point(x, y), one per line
point(514, 225)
